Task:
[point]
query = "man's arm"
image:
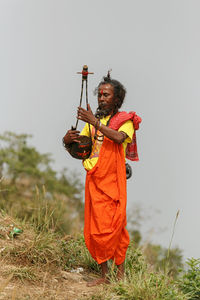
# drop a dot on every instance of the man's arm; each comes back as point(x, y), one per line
point(114, 135)
point(87, 116)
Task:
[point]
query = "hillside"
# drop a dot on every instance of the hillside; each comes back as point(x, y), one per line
point(31, 266)
point(42, 265)
point(42, 249)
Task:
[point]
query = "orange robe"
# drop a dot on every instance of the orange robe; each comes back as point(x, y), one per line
point(105, 205)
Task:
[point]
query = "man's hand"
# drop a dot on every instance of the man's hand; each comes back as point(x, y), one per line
point(86, 115)
point(71, 136)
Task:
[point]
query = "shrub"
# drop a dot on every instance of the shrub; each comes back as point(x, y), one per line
point(190, 281)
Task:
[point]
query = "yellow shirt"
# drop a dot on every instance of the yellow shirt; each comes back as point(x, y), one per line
point(90, 162)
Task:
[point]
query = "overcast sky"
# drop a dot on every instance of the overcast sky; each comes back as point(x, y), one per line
point(153, 48)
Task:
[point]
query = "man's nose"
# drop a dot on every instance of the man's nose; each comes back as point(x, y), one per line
point(101, 98)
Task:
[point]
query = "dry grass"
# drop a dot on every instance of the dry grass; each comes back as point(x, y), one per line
point(36, 265)
point(33, 265)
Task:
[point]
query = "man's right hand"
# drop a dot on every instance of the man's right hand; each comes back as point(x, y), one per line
point(71, 136)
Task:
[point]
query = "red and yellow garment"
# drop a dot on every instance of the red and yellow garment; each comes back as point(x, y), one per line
point(126, 127)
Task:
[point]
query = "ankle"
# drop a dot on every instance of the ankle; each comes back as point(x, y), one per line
point(120, 271)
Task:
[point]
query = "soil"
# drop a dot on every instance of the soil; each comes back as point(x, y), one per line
point(61, 286)
point(22, 281)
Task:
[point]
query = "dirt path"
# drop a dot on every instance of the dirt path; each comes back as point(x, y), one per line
point(63, 286)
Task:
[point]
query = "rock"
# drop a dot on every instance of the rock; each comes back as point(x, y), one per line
point(72, 277)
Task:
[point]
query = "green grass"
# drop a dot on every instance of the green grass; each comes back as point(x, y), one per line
point(22, 273)
point(190, 280)
point(47, 249)
point(42, 245)
point(141, 282)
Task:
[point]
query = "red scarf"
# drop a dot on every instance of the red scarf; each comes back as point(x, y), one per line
point(117, 121)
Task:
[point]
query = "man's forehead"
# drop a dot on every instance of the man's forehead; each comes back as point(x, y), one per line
point(106, 88)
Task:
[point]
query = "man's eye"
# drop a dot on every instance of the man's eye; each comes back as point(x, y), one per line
point(104, 94)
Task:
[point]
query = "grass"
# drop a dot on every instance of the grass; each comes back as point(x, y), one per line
point(41, 209)
point(77, 255)
point(48, 251)
point(41, 251)
point(44, 248)
point(190, 280)
point(22, 273)
point(141, 282)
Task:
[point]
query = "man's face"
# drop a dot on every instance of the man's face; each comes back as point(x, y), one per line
point(106, 99)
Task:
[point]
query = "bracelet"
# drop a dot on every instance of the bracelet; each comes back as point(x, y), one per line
point(97, 124)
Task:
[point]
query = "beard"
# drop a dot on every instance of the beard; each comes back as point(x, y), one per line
point(103, 110)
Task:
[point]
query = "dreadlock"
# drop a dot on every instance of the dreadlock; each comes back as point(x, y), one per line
point(119, 91)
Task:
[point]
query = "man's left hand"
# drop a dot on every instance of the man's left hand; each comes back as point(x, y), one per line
point(86, 115)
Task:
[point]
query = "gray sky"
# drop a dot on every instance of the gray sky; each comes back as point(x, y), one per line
point(153, 49)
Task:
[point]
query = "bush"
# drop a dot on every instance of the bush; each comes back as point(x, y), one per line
point(190, 281)
point(30, 189)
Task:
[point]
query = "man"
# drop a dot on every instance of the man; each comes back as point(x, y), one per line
point(105, 189)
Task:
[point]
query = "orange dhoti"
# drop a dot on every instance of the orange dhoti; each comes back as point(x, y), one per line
point(105, 205)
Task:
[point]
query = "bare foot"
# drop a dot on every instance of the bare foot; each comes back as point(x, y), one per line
point(98, 282)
